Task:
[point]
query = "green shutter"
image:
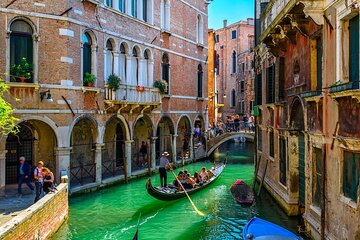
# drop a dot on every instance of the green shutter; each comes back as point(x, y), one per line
point(354, 49)
point(282, 162)
point(86, 58)
point(301, 144)
point(319, 54)
point(258, 92)
point(351, 175)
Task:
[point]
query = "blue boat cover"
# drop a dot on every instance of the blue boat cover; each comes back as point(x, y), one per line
point(260, 228)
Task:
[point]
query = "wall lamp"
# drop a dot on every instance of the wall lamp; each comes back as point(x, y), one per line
point(48, 98)
point(224, 95)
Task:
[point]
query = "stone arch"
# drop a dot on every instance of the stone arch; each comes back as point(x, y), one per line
point(149, 54)
point(137, 48)
point(36, 140)
point(112, 41)
point(297, 111)
point(200, 118)
point(91, 34)
point(183, 131)
point(125, 44)
point(22, 18)
point(165, 131)
point(93, 122)
point(180, 118)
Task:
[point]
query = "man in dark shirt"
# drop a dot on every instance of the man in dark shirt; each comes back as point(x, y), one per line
point(24, 175)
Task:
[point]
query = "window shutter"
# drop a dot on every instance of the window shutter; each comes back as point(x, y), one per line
point(354, 49)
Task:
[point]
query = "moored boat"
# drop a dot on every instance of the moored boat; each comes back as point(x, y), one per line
point(171, 193)
point(242, 193)
point(260, 229)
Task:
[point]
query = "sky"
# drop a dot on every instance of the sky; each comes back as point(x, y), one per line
point(232, 10)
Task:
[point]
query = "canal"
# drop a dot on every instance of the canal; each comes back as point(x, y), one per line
point(113, 213)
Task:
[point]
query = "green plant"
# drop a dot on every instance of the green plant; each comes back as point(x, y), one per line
point(89, 78)
point(23, 69)
point(161, 85)
point(113, 82)
point(7, 120)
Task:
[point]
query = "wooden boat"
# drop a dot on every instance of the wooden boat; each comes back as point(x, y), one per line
point(170, 193)
point(242, 193)
point(259, 229)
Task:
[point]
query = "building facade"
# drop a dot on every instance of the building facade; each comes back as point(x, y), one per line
point(307, 88)
point(234, 46)
point(93, 133)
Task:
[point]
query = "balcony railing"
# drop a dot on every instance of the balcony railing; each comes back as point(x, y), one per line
point(344, 87)
point(134, 94)
point(310, 94)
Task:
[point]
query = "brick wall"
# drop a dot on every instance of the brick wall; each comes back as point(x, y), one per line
point(41, 219)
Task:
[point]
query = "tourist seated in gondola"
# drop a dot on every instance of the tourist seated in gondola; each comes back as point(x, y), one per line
point(189, 182)
point(204, 174)
point(197, 179)
point(179, 177)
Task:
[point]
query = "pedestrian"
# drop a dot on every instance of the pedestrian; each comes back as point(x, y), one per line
point(164, 162)
point(143, 154)
point(38, 176)
point(24, 175)
point(48, 178)
point(246, 123)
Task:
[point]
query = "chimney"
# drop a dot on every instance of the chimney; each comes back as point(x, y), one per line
point(225, 23)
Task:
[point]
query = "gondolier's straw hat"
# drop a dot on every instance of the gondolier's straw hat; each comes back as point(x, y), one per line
point(165, 154)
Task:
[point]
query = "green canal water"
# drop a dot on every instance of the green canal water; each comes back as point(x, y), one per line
point(113, 213)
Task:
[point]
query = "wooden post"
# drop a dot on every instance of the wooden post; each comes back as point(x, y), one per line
point(148, 157)
point(263, 177)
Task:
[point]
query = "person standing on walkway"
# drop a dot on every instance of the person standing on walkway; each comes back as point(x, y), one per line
point(38, 176)
point(24, 175)
point(48, 178)
point(162, 169)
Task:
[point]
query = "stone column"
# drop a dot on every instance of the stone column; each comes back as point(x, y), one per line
point(167, 16)
point(140, 14)
point(116, 64)
point(174, 147)
point(153, 152)
point(128, 69)
point(2, 172)
point(62, 162)
point(94, 61)
point(191, 146)
point(128, 156)
point(98, 161)
point(128, 7)
point(116, 5)
point(105, 62)
point(150, 73)
point(141, 68)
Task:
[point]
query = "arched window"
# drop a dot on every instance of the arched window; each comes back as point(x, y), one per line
point(87, 43)
point(199, 29)
point(200, 81)
point(134, 6)
point(109, 59)
point(165, 67)
point(122, 5)
point(122, 63)
point(165, 14)
point(233, 60)
point(146, 68)
point(21, 42)
point(135, 66)
point(109, 3)
point(145, 10)
point(233, 98)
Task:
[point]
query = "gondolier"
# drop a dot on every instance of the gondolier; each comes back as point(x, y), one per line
point(162, 169)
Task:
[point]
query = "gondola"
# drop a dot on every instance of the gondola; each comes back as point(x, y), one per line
point(242, 193)
point(170, 193)
point(258, 228)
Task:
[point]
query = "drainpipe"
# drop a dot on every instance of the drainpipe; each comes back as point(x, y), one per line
point(323, 197)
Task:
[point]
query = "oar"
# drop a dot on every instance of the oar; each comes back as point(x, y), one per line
point(191, 202)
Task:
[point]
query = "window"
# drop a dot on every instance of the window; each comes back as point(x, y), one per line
point(233, 98)
point(217, 64)
point(282, 161)
point(135, 66)
point(233, 62)
point(134, 6)
point(200, 81)
point(271, 143)
point(109, 59)
point(109, 3)
point(242, 86)
point(165, 66)
point(199, 29)
point(259, 139)
point(165, 14)
point(122, 63)
point(351, 174)
point(270, 84)
point(147, 79)
point(319, 64)
point(21, 42)
point(354, 49)
point(317, 160)
point(122, 5)
point(87, 53)
point(281, 80)
point(258, 90)
point(217, 38)
point(243, 106)
point(233, 34)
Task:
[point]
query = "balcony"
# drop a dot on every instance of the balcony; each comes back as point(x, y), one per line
point(348, 89)
point(344, 87)
point(132, 97)
point(277, 10)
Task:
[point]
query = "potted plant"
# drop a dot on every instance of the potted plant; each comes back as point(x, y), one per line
point(21, 71)
point(89, 79)
point(113, 82)
point(161, 85)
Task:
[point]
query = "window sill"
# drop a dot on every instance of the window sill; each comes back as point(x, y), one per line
point(90, 89)
point(271, 158)
point(166, 95)
point(200, 99)
point(200, 45)
point(23, 85)
point(315, 209)
point(283, 186)
point(348, 201)
point(165, 31)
